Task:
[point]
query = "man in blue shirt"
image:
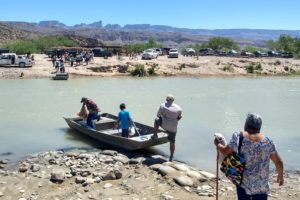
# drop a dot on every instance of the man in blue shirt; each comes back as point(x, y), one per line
point(124, 120)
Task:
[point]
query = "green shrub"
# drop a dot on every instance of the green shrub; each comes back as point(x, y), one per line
point(37, 45)
point(228, 68)
point(151, 71)
point(181, 66)
point(286, 68)
point(138, 71)
point(277, 62)
point(258, 67)
point(250, 69)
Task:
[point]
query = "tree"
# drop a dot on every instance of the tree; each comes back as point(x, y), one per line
point(286, 43)
point(218, 43)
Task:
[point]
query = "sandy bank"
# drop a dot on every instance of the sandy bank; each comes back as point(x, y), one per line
point(97, 174)
point(182, 66)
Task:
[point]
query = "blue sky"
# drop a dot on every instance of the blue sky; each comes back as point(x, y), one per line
point(207, 14)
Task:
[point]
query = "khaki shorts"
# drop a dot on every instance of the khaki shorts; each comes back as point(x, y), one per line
point(171, 135)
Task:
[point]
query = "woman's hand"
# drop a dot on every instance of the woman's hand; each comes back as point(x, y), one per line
point(280, 179)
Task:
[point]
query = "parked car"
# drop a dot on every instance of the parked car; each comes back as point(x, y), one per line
point(100, 52)
point(173, 53)
point(260, 54)
point(149, 54)
point(206, 52)
point(246, 53)
point(286, 54)
point(189, 52)
point(159, 51)
point(73, 52)
point(273, 54)
point(233, 52)
point(220, 52)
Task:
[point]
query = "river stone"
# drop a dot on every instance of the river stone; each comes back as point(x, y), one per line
point(167, 197)
point(57, 176)
point(118, 174)
point(80, 180)
point(1, 194)
point(3, 162)
point(107, 185)
point(35, 168)
point(109, 176)
point(84, 156)
point(183, 181)
point(137, 160)
point(109, 161)
point(155, 166)
point(196, 175)
point(181, 167)
point(1, 166)
point(72, 154)
point(109, 152)
point(207, 174)
point(166, 170)
point(23, 167)
point(122, 159)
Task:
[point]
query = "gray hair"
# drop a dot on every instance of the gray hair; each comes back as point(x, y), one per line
point(253, 123)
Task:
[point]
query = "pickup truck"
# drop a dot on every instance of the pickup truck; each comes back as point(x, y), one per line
point(13, 60)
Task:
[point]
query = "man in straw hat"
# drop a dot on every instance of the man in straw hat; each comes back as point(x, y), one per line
point(168, 116)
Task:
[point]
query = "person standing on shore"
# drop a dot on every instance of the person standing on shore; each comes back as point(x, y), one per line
point(257, 149)
point(124, 120)
point(168, 116)
point(94, 111)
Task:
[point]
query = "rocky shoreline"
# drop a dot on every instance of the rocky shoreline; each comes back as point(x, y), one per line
point(108, 174)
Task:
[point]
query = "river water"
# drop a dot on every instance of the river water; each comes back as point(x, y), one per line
point(32, 112)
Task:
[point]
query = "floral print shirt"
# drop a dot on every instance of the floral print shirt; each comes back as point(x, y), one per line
point(257, 155)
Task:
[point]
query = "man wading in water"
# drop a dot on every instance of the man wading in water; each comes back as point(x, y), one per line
point(168, 116)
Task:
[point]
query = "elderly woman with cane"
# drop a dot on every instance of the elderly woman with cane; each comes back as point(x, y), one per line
point(258, 150)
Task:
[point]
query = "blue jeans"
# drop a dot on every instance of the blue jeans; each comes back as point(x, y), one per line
point(241, 193)
point(125, 133)
point(90, 119)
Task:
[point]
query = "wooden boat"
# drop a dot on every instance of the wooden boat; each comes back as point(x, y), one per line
point(61, 76)
point(106, 133)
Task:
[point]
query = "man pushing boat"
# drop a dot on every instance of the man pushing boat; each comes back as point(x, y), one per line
point(168, 116)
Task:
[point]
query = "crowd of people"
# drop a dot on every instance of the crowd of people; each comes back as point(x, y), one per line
point(256, 148)
point(72, 59)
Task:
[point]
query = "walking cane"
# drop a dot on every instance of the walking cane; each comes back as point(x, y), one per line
point(217, 177)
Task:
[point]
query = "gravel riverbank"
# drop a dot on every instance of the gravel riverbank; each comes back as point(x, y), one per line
point(106, 174)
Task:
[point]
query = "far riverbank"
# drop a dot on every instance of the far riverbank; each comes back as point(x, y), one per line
point(163, 66)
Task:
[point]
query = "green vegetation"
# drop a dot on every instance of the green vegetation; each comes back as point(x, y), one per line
point(37, 45)
point(286, 43)
point(218, 43)
point(138, 71)
point(286, 68)
point(151, 71)
point(181, 66)
point(228, 68)
point(140, 47)
point(252, 68)
point(251, 49)
point(277, 62)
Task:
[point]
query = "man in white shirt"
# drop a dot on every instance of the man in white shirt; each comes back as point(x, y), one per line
point(168, 116)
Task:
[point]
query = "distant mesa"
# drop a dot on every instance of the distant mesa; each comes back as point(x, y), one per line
point(52, 23)
point(129, 33)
